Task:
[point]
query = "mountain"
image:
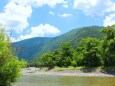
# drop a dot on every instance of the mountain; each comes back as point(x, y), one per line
point(35, 47)
point(26, 49)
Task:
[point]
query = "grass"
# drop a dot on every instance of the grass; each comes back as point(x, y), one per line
point(76, 68)
point(72, 68)
point(67, 68)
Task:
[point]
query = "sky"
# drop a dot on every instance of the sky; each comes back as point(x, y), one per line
point(25, 19)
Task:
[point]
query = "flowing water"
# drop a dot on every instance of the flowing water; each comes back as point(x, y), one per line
point(51, 80)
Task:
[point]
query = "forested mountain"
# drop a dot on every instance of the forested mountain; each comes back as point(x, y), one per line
point(35, 47)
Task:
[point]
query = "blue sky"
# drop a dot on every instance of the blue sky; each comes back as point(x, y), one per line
point(50, 18)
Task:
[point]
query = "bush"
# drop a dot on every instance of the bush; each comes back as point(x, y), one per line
point(9, 63)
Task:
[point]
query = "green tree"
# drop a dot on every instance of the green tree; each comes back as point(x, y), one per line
point(57, 57)
point(48, 59)
point(88, 50)
point(66, 55)
point(9, 63)
point(108, 46)
point(77, 56)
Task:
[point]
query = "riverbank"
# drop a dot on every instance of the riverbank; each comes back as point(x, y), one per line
point(97, 72)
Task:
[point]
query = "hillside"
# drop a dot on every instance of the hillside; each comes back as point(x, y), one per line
point(26, 49)
point(34, 47)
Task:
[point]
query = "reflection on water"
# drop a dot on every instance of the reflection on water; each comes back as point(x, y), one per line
point(65, 81)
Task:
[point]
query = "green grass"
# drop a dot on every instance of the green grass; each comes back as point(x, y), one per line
point(76, 68)
point(67, 68)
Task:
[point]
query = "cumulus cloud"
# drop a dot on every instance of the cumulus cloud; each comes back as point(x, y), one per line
point(109, 20)
point(92, 7)
point(16, 12)
point(112, 6)
point(97, 8)
point(42, 30)
point(65, 15)
point(13, 18)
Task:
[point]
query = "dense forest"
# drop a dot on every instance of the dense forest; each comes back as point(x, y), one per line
point(89, 52)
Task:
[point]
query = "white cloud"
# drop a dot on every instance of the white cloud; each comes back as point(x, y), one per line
point(109, 20)
point(112, 7)
point(16, 12)
point(43, 30)
point(15, 16)
point(52, 13)
point(65, 15)
point(97, 8)
point(86, 3)
point(93, 7)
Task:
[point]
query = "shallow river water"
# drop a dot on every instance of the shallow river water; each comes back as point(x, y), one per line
point(51, 80)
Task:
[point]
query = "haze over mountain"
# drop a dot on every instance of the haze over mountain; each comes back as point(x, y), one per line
point(35, 47)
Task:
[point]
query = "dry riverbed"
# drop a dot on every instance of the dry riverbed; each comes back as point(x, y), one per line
point(67, 72)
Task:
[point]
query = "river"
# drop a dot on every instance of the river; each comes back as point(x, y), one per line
point(54, 80)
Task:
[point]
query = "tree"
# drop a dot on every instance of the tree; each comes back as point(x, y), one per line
point(66, 55)
point(48, 60)
point(59, 57)
point(108, 46)
point(9, 63)
point(88, 50)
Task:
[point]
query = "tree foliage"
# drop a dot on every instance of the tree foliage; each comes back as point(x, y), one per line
point(108, 46)
point(90, 52)
point(9, 63)
point(60, 57)
point(66, 54)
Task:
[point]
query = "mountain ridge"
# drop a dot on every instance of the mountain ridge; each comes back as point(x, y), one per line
point(35, 47)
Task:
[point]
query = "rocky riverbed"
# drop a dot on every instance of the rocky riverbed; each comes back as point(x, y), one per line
point(77, 72)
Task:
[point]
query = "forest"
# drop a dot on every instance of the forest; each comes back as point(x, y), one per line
point(90, 52)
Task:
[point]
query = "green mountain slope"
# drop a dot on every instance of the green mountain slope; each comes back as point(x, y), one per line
point(26, 49)
point(85, 32)
point(35, 47)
